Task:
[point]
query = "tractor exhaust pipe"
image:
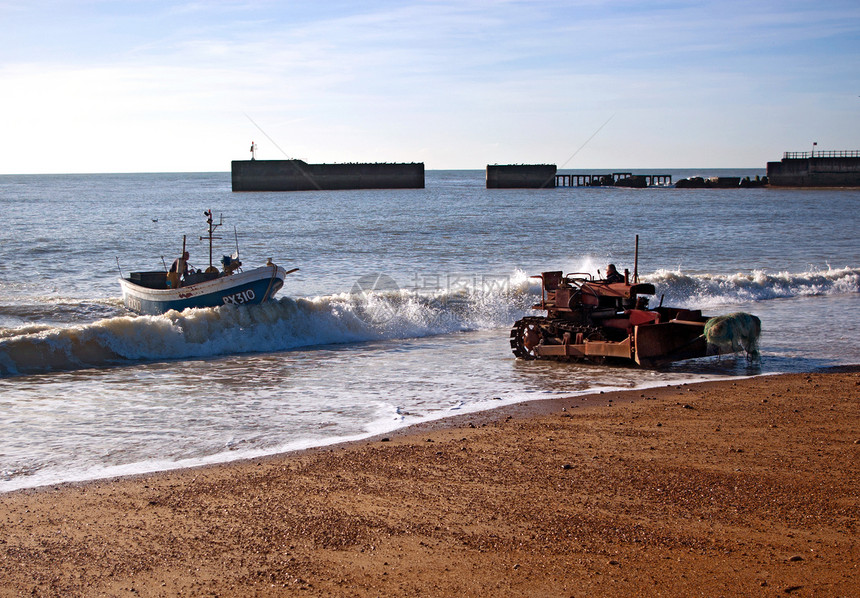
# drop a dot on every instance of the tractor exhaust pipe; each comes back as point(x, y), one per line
point(636, 262)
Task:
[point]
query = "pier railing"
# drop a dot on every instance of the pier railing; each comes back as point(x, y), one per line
point(821, 154)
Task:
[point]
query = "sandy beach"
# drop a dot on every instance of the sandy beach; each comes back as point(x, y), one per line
point(732, 488)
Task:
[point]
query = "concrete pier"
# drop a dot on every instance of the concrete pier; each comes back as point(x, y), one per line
point(521, 176)
point(816, 169)
point(297, 175)
point(620, 179)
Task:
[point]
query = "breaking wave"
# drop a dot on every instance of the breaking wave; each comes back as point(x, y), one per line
point(705, 290)
point(274, 326)
point(289, 323)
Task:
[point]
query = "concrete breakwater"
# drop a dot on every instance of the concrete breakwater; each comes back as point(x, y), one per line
point(297, 175)
point(521, 176)
point(613, 179)
point(722, 182)
point(816, 169)
point(798, 169)
point(545, 176)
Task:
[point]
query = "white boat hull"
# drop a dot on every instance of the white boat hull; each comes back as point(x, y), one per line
point(244, 288)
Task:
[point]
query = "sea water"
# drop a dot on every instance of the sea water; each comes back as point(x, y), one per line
point(400, 311)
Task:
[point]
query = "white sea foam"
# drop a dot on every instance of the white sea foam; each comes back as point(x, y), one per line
point(385, 418)
point(358, 317)
point(704, 290)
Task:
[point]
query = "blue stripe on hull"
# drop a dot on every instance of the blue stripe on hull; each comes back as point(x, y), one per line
point(250, 293)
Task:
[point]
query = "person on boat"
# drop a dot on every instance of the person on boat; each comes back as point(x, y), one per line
point(180, 265)
point(612, 275)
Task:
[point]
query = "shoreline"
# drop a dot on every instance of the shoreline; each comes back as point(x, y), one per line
point(592, 397)
point(720, 487)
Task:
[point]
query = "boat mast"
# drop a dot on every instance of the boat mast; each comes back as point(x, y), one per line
point(212, 227)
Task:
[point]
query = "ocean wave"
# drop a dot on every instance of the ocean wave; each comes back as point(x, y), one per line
point(287, 323)
point(58, 310)
point(278, 325)
point(704, 290)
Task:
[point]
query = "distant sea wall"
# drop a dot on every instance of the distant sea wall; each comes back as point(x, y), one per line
point(824, 169)
point(297, 175)
point(521, 176)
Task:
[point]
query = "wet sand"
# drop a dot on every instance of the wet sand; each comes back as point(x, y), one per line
point(746, 487)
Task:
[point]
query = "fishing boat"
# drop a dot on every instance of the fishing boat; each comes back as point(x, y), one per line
point(155, 293)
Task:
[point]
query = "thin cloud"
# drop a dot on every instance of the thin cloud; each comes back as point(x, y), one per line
point(435, 78)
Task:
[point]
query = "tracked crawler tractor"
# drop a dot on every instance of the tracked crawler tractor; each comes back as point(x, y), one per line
point(592, 320)
point(595, 321)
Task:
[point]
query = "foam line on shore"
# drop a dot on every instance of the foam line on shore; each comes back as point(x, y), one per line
point(390, 420)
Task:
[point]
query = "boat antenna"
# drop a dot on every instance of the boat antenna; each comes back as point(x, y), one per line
point(573, 155)
point(118, 266)
point(212, 227)
point(296, 163)
point(593, 135)
point(236, 235)
point(163, 263)
point(267, 137)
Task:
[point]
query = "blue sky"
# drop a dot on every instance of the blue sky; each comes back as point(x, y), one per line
point(114, 86)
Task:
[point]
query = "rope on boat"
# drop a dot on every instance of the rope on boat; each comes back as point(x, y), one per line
point(271, 282)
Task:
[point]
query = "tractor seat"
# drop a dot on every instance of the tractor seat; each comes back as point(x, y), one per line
point(552, 280)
